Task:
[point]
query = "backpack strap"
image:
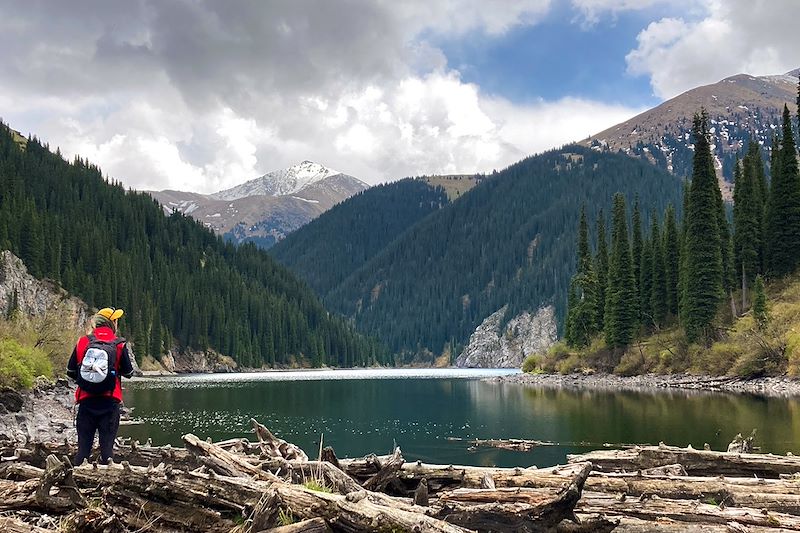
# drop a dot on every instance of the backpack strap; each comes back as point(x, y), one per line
point(83, 344)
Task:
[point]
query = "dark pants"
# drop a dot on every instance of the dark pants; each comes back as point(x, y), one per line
point(97, 415)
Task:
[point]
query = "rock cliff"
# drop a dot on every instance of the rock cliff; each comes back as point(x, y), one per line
point(36, 298)
point(489, 347)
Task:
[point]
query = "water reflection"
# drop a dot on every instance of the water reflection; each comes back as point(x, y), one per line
point(359, 416)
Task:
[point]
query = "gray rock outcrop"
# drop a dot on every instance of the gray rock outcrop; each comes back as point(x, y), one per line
point(36, 298)
point(524, 335)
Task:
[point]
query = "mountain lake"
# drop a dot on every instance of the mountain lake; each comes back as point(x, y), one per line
point(433, 414)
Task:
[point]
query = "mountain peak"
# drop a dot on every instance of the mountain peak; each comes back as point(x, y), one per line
point(282, 182)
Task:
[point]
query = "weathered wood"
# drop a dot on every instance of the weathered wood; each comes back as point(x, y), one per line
point(343, 513)
point(223, 461)
point(516, 445)
point(12, 525)
point(684, 512)
point(771, 494)
point(314, 525)
point(387, 472)
point(329, 456)
point(696, 462)
point(272, 446)
point(511, 509)
point(323, 472)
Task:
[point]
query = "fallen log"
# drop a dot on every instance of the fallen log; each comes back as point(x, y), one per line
point(344, 513)
point(388, 471)
point(12, 525)
point(684, 512)
point(771, 494)
point(512, 509)
point(696, 462)
point(272, 446)
point(315, 525)
point(224, 462)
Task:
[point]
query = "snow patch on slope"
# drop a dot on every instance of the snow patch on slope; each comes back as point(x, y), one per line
point(283, 182)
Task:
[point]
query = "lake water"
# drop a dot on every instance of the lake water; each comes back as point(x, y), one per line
point(423, 411)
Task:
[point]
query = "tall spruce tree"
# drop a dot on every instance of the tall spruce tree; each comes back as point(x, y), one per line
point(646, 284)
point(621, 316)
point(582, 301)
point(671, 260)
point(704, 269)
point(601, 269)
point(658, 295)
point(636, 248)
point(747, 233)
point(760, 303)
point(754, 164)
point(783, 211)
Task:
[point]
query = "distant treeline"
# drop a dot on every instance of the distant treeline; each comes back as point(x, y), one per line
point(180, 285)
point(421, 274)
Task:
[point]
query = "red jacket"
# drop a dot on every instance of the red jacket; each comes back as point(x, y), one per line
point(122, 366)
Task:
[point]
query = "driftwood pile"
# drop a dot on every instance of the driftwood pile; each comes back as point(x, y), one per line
point(271, 485)
point(666, 488)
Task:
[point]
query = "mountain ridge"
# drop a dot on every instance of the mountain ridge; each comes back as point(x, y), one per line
point(266, 209)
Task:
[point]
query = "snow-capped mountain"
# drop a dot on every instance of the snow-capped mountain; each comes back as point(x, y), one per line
point(740, 107)
point(281, 182)
point(266, 209)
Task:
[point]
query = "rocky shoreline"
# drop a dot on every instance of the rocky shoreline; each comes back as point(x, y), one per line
point(766, 386)
point(42, 414)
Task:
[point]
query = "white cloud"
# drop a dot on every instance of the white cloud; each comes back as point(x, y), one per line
point(202, 95)
point(733, 36)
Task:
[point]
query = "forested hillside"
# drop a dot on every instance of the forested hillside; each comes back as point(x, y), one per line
point(509, 240)
point(180, 285)
point(694, 296)
point(343, 239)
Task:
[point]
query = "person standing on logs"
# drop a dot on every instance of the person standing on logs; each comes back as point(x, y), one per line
point(98, 363)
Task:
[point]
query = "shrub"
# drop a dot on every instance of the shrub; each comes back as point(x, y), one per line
point(719, 358)
point(532, 364)
point(20, 365)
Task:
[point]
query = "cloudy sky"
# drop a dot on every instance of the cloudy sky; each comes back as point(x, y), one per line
point(202, 94)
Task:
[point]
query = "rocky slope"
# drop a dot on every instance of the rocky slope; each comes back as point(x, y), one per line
point(739, 108)
point(491, 346)
point(36, 298)
point(264, 210)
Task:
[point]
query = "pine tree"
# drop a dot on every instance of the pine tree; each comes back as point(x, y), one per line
point(754, 164)
point(760, 303)
point(658, 296)
point(601, 269)
point(621, 314)
point(747, 234)
point(636, 248)
point(671, 260)
point(704, 269)
point(783, 211)
point(582, 301)
point(646, 285)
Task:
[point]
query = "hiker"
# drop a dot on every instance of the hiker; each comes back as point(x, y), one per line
point(98, 363)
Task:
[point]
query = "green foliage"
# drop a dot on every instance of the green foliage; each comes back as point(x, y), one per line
point(704, 267)
point(671, 260)
point(601, 268)
point(285, 517)
point(582, 321)
point(658, 295)
point(621, 316)
point(178, 282)
point(506, 241)
point(353, 232)
point(20, 365)
point(637, 246)
point(317, 485)
point(783, 209)
point(532, 364)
